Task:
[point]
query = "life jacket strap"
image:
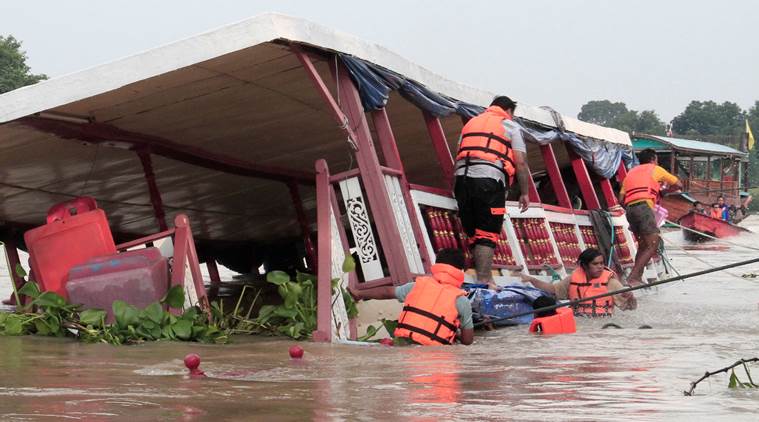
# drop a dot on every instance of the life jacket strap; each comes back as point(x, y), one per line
point(424, 332)
point(440, 320)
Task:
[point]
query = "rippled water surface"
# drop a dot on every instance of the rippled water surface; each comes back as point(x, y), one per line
point(597, 374)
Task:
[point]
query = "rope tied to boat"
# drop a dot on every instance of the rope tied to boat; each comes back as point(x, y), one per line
point(620, 291)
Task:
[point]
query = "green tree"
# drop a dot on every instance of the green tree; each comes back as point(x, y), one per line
point(14, 72)
point(709, 118)
point(602, 112)
point(616, 115)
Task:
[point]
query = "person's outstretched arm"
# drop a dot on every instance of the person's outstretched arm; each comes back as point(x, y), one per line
point(382, 292)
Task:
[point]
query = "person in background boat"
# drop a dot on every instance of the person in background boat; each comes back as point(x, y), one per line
point(590, 278)
point(698, 207)
point(716, 211)
point(640, 191)
point(724, 208)
point(491, 153)
point(434, 308)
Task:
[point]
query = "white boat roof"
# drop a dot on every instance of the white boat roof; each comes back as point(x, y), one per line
point(230, 118)
point(264, 28)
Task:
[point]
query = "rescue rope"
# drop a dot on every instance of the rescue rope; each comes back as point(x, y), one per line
point(620, 291)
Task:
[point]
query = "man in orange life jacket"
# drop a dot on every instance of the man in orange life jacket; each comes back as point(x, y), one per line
point(491, 152)
point(590, 278)
point(435, 309)
point(640, 191)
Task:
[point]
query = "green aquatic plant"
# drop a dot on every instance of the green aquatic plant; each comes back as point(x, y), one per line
point(296, 316)
point(54, 316)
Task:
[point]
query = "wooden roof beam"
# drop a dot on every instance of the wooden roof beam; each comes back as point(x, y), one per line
point(102, 133)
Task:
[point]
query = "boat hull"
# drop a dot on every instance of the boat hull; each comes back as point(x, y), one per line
point(708, 225)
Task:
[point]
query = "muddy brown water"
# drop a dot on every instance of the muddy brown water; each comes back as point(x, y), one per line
point(596, 374)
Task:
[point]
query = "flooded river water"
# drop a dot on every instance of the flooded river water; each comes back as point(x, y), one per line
point(596, 374)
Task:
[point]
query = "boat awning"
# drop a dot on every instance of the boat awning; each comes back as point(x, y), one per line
point(664, 143)
point(231, 120)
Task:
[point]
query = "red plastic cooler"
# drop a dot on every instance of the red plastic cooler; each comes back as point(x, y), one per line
point(75, 232)
point(139, 277)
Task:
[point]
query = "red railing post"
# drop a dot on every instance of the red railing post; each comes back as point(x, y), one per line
point(554, 173)
point(185, 255)
point(583, 179)
point(303, 222)
point(442, 151)
point(392, 156)
point(155, 194)
point(324, 244)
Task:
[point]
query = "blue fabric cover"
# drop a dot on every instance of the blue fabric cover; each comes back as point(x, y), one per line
point(375, 83)
point(509, 300)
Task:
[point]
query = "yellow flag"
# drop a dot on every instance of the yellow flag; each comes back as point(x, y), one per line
point(749, 137)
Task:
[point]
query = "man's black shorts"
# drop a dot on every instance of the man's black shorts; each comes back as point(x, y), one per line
point(481, 204)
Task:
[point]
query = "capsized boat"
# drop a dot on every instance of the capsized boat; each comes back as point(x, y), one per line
point(290, 145)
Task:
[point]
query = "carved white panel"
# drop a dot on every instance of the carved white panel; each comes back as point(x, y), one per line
point(404, 224)
point(340, 327)
point(361, 228)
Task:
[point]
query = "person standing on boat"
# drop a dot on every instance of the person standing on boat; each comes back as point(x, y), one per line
point(491, 153)
point(640, 192)
point(435, 308)
point(590, 278)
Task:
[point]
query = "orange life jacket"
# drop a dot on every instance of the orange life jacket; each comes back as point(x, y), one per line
point(563, 322)
point(483, 138)
point(716, 213)
point(580, 287)
point(639, 184)
point(429, 315)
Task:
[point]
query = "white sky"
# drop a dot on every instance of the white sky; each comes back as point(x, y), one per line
point(649, 54)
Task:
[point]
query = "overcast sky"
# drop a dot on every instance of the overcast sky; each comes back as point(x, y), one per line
point(649, 54)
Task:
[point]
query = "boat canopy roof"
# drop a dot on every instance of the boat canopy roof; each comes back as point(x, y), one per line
point(664, 143)
point(230, 119)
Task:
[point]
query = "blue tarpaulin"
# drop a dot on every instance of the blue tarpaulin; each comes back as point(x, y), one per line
point(375, 83)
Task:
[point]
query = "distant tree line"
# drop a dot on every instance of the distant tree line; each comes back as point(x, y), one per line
point(14, 72)
point(703, 120)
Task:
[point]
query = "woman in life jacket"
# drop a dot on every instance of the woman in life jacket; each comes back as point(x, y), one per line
point(590, 278)
point(435, 308)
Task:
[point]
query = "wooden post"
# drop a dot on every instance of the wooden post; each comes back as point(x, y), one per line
point(155, 194)
point(303, 222)
point(353, 121)
point(608, 192)
point(373, 180)
point(324, 243)
point(583, 179)
point(621, 172)
point(213, 273)
point(554, 173)
point(389, 147)
point(442, 151)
